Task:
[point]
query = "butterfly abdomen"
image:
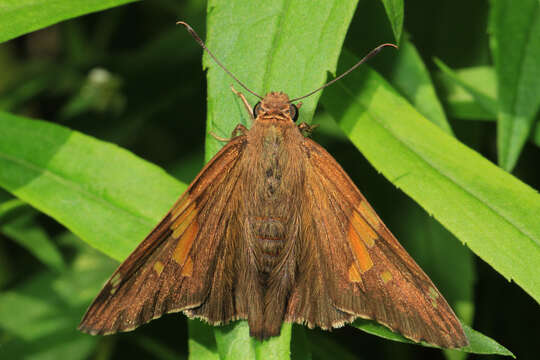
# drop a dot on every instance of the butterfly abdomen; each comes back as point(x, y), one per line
point(269, 235)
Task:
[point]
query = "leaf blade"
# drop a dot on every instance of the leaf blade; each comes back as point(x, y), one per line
point(104, 194)
point(394, 11)
point(409, 75)
point(19, 17)
point(469, 93)
point(479, 343)
point(27, 234)
point(515, 44)
point(483, 97)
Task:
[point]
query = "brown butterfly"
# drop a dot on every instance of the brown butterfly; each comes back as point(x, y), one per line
point(273, 230)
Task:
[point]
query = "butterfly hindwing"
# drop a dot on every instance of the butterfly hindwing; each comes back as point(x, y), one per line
point(182, 263)
point(358, 268)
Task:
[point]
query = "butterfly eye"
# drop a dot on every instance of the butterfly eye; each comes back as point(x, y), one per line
point(293, 111)
point(256, 109)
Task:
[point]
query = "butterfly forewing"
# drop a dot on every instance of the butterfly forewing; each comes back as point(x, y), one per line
point(180, 263)
point(359, 269)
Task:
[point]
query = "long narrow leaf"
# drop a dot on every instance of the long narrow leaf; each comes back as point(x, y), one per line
point(394, 11)
point(469, 93)
point(19, 17)
point(515, 43)
point(482, 93)
point(479, 343)
point(102, 193)
point(410, 76)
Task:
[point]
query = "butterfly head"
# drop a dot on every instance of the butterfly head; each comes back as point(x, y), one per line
point(276, 105)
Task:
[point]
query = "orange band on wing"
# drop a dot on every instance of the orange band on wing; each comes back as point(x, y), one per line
point(185, 242)
point(360, 251)
point(181, 205)
point(368, 214)
point(363, 230)
point(179, 225)
point(354, 275)
point(187, 270)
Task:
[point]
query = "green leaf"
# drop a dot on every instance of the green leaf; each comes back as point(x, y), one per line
point(201, 342)
point(515, 44)
point(273, 51)
point(104, 194)
point(479, 82)
point(276, 347)
point(26, 233)
point(327, 126)
point(469, 93)
point(436, 251)
point(19, 17)
point(10, 207)
point(233, 341)
point(394, 11)
point(491, 211)
point(535, 136)
point(39, 317)
point(409, 75)
point(479, 343)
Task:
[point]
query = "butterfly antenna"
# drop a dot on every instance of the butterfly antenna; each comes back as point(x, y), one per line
point(201, 43)
point(371, 54)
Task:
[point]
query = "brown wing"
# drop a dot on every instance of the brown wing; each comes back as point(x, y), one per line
point(183, 264)
point(358, 268)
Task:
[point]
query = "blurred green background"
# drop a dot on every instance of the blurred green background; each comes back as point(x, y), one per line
point(129, 76)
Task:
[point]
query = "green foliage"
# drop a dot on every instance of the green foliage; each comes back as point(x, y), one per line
point(480, 344)
point(409, 75)
point(103, 85)
point(515, 43)
point(102, 193)
point(24, 231)
point(472, 91)
point(19, 17)
point(39, 317)
point(394, 11)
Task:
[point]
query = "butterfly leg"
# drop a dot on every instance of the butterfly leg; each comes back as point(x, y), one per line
point(238, 130)
point(219, 138)
point(307, 129)
point(249, 108)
